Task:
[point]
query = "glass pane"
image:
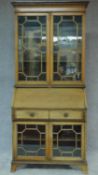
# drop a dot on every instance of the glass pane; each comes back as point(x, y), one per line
point(67, 140)
point(67, 47)
point(32, 48)
point(30, 140)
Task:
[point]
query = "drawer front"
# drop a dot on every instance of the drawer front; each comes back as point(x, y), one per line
point(66, 114)
point(31, 114)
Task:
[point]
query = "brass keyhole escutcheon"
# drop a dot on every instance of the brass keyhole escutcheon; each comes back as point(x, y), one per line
point(32, 114)
point(65, 115)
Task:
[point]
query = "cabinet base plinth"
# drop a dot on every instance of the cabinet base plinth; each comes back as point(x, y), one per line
point(81, 165)
point(84, 169)
point(13, 167)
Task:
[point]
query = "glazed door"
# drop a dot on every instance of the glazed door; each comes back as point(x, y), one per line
point(32, 48)
point(68, 48)
point(67, 141)
point(30, 141)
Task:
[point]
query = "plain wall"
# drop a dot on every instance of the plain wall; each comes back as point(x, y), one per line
point(7, 73)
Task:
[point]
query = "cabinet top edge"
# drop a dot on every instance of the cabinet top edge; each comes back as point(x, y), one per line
point(38, 3)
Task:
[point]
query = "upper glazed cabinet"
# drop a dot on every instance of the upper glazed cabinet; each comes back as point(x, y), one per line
point(50, 44)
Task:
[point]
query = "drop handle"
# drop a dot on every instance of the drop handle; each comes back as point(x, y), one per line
point(65, 115)
point(32, 114)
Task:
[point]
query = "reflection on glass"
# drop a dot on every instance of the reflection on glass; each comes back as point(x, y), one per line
point(67, 47)
point(67, 140)
point(32, 47)
point(31, 140)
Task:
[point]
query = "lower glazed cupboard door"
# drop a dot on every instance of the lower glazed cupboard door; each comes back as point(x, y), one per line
point(30, 141)
point(68, 141)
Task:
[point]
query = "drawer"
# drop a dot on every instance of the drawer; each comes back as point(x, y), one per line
point(31, 114)
point(66, 114)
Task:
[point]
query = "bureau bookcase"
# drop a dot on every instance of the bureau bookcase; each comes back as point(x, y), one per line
point(49, 102)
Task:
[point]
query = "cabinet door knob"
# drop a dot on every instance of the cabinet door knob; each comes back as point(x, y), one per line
point(65, 114)
point(32, 114)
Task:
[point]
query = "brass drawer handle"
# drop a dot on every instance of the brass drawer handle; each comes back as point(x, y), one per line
point(32, 114)
point(65, 115)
